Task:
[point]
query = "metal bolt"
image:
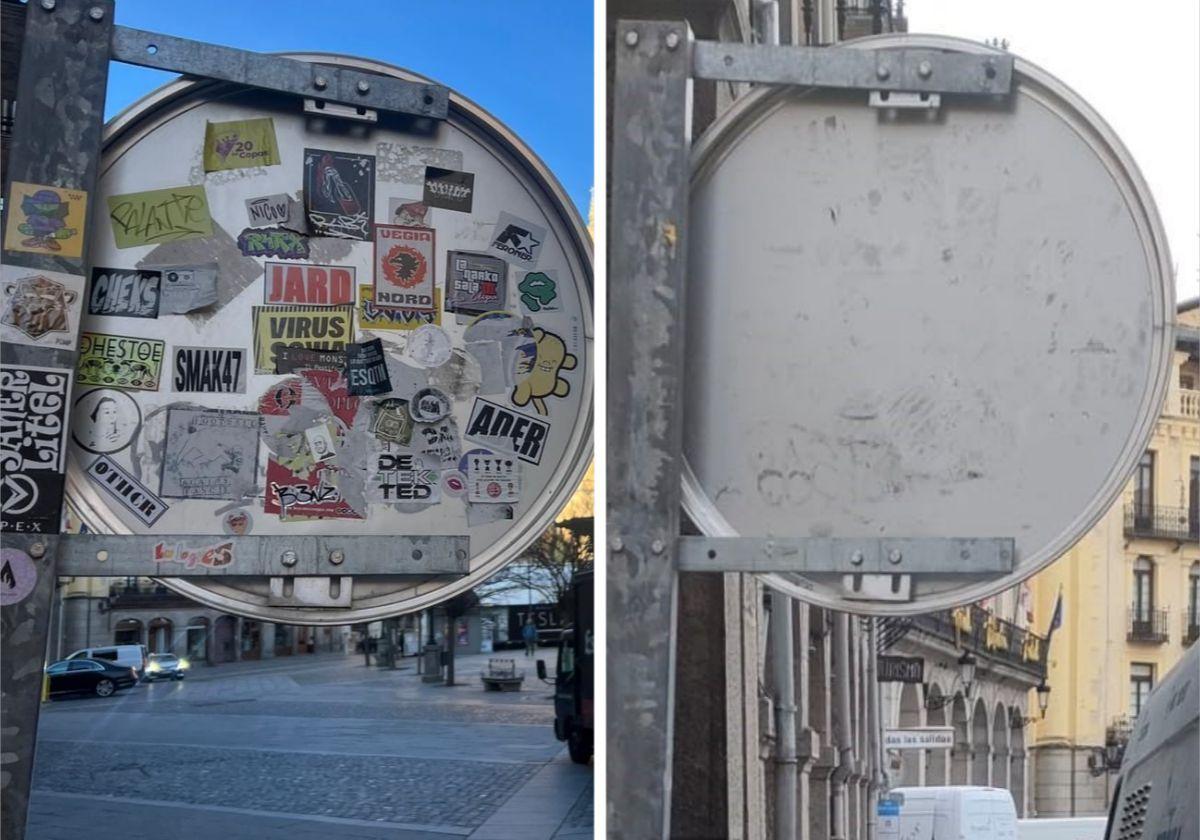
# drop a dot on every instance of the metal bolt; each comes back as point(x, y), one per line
point(288, 558)
point(417, 554)
point(856, 558)
point(631, 38)
point(672, 40)
point(618, 544)
point(363, 87)
point(882, 72)
point(337, 556)
point(320, 83)
point(101, 556)
point(657, 546)
point(96, 13)
point(48, 5)
point(964, 554)
point(894, 556)
point(924, 69)
point(1004, 554)
point(37, 550)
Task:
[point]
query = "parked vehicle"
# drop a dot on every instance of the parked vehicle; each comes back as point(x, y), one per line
point(574, 676)
point(948, 813)
point(89, 676)
point(1062, 828)
point(1158, 789)
point(132, 656)
point(166, 666)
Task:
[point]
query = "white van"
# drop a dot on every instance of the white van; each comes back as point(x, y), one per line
point(948, 813)
point(131, 656)
point(1062, 828)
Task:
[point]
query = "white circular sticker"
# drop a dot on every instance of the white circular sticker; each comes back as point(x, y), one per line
point(428, 405)
point(18, 576)
point(429, 346)
point(105, 421)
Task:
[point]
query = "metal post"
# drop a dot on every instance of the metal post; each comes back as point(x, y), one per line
point(647, 256)
point(56, 142)
point(783, 656)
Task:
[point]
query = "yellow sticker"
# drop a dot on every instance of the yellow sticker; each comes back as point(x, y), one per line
point(45, 220)
point(374, 317)
point(327, 328)
point(239, 144)
point(156, 216)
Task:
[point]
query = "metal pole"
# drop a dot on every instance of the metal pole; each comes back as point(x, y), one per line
point(843, 738)
point(783, 657)
point(651, 142)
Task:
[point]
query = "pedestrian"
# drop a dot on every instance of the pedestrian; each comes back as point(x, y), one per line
point(529, 633)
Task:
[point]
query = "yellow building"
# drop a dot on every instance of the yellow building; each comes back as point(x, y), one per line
point(1131, 592)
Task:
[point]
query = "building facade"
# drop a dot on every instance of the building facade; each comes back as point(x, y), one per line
point(1131, 596)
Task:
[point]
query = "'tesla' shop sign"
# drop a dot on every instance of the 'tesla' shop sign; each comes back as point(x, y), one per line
point(919, 738)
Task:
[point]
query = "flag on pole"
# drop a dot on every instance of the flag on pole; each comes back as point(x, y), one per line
point(1057, 618)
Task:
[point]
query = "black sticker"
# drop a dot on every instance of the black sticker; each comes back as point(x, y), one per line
point(339, 193)
point(504, 430)
point(124, 291)
point(475, 283)
point(33, 422)
point(449, 189)
point(209, 370)
point(291, 359)
point(367, 369)
point(131, 493)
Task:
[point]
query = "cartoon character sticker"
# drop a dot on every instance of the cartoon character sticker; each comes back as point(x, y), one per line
point(40, 307)
point(45, 220)
point(543, 379)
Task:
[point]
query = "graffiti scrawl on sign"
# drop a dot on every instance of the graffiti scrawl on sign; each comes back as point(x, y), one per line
point(156, 216)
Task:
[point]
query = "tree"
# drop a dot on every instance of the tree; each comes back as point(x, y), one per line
point(548, 567)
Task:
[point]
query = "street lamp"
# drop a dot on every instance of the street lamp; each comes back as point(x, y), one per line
point(966, 669)
point(1043, 693)
point(966, 676)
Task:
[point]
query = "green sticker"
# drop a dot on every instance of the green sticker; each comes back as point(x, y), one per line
point(150, 218)
point(120, 361)
point(239, 144)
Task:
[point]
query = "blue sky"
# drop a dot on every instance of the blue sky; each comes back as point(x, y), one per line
point(528, 63)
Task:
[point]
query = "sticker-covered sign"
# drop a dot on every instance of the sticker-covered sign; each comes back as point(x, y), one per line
point(40, 307)
point(317, 328)
point(518, 240)
point(339, 193)
point(293, 359)
point(240, 143)
point(186, 288)
point(45, 220)
point(121, 361)
point(492, 478)
point(449, 189)
point(105, 420)
point(539, 292)
point(210, 454)
point(374, 317)
point(403, 477)
point(366, 369)
point(210, 370)
point(475, 283)
point(128, 292)
point(134, 496)
point(156, 216)
point(273, 242)
point(315, 285)
point(268, 210)
point(501, 428)
point(404, 267)
point(544, 377)
point(33, 424)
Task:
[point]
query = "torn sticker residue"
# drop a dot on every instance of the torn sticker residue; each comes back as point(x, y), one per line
point(402, 164)
point(459, 377)
point(482, 514)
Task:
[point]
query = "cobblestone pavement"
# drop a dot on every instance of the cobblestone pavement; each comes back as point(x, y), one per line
point(314, 747)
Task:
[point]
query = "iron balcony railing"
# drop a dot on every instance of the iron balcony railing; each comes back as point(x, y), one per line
point(1147, 626)
point(143, 595)
point(1161, 523)
point(987, 635)
point(1191, 627)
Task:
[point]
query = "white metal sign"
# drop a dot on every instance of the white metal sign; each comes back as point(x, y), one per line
point(919, 738)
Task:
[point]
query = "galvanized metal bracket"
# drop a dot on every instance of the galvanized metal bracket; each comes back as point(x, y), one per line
point(282, 75)
point(903, 69)
point(849, 556)
point(123, 555)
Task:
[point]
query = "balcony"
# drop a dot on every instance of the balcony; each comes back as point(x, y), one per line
point(987, 635)
point(1191, 627)
point(1188, 404)
point(144, 595)
point(1161, 523)
point(1147, 626)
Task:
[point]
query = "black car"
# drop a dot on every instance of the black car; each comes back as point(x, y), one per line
point(90, 676)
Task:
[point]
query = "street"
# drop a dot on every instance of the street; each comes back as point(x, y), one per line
point(309, 747)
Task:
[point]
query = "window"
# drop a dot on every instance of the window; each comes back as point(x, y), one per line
point(1194, 499)
point(110, 654)
point(1141, 680)
point(1193, 595)
point(1143, 589)
point(1143, 487)
point(57, 668)
point(83, 665)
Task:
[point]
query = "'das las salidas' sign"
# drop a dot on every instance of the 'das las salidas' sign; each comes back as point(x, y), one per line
point(919, 738)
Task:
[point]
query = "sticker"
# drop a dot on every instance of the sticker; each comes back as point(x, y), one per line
point(492, 478)
point(45, 220)
point(373, 317)
point(124, 292)
point(104, 421)
point(483, 514)
point(33, 422)
point(273, 242)
point(366, 369)
point(210, 370)
point(429, 405)
point(18, 576)
point(391, 422)
point(237, 523)
point(438, 442)
point(210, 454)
point(504, 347)
point(210, 556)
point(170, 215)
point(449, 189)
point(315, 285)
point(454, 483)
point(40, 307)
point(320, 442)
point(539, 291)
point(404, 267)
point(475, 283)
point(120, 360)
point(295, 359)
point(543, 379)
point(316, 328)
point(325, 391)
point(403, 477)
point(408, 212)
point(503, 429)
point(268, 210)
point(134, 496)
point(339, 193)
point(429, 347)
point(406, 164)
point(186, 288)
point(239, 144)
point(518, 240)
point(316, 495)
